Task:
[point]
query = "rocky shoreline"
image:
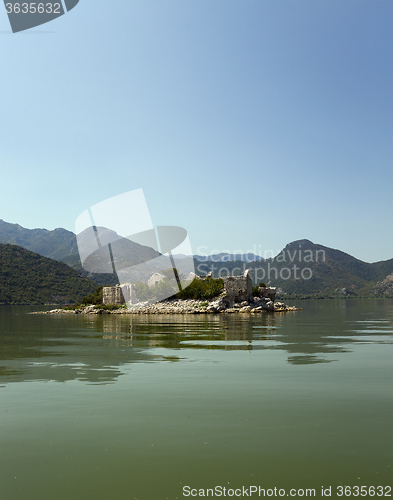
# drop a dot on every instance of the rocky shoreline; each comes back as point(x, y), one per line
point(189, 306)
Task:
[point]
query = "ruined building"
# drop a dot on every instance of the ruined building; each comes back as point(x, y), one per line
point(119, 294)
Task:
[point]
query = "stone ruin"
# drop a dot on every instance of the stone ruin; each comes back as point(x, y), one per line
point(119, 294)
point(238, 288)
point(154, 279)
point(112, 295)
point(205, 276)
point(268, 292)
point(238, 294)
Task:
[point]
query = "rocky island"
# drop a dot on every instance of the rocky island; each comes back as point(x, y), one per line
point(236, 297)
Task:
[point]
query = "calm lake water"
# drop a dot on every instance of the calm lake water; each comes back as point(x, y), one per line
point(136, 408)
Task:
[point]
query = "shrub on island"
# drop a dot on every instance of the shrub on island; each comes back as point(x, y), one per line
point(202, 289)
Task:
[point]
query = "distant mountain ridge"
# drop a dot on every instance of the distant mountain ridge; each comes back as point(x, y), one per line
point(327, 272)
point(57, 244)
point(305, 269)
point(61, 245)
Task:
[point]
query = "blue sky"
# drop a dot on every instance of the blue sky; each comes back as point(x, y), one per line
point(251, 123)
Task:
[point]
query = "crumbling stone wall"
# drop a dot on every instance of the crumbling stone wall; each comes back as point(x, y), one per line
point(154, 279)
point(129, 293)
point(268, 292)
point(119, 294)
point(112, 295)
point(238, 288)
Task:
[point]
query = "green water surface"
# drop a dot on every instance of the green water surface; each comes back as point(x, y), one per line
point(139, 407)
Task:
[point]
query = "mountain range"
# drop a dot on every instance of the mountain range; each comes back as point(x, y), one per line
point(61, 245)
point(58, 244)
point(301, 270)
point(307, 270)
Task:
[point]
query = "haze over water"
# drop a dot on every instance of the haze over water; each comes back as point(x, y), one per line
point(138, 407)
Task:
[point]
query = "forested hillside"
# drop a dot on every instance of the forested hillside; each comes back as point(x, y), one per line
point(29, 278)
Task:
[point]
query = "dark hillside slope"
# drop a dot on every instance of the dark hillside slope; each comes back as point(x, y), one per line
point(29, 278)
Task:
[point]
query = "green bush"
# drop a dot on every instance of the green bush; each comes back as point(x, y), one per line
point(94, 298)
point(202, 289)
point(197, 290)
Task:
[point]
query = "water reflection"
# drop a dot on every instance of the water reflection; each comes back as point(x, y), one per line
point(96, 349)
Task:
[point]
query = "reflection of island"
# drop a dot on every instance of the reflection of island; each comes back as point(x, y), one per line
point(96, 349)
point(62, 351)
point(224, 332)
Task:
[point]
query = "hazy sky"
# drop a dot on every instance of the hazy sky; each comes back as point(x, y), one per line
point(251, 123)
